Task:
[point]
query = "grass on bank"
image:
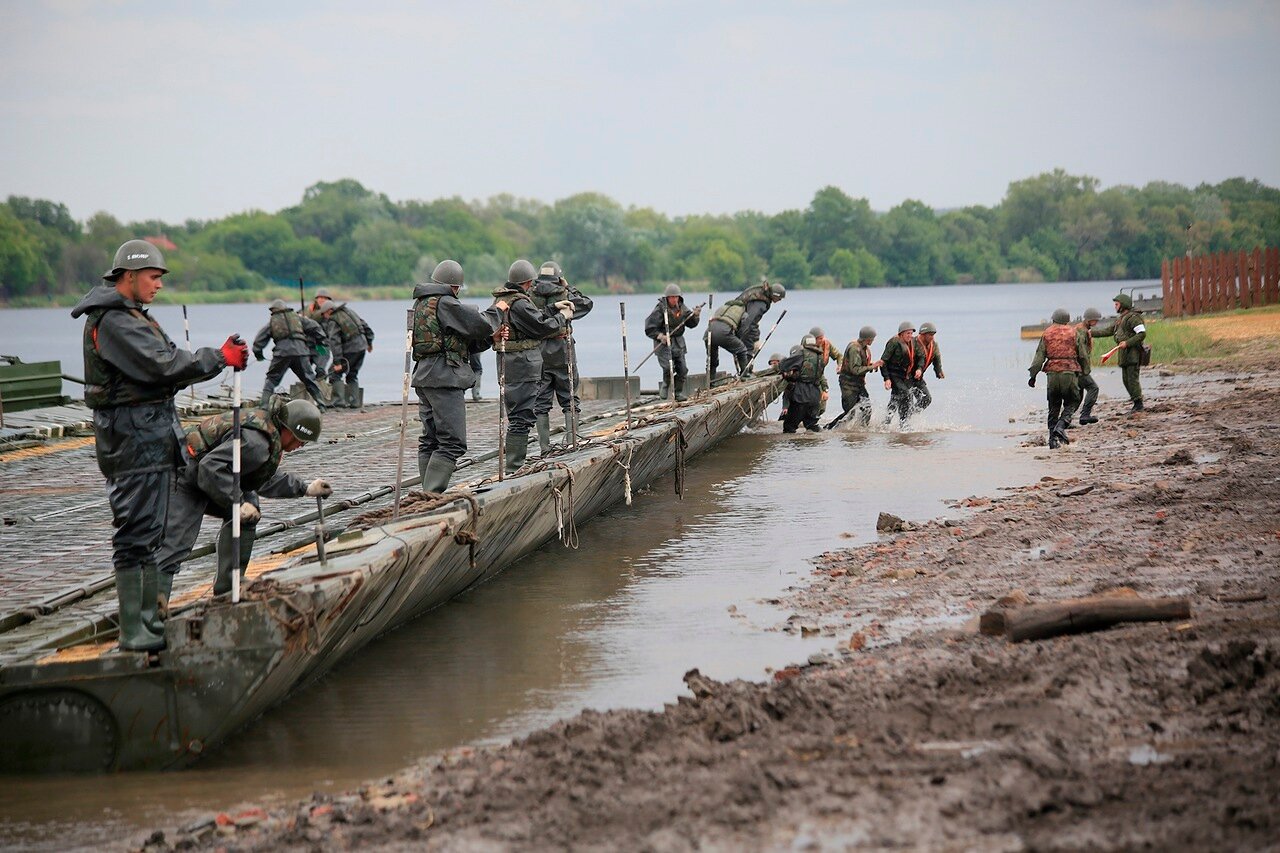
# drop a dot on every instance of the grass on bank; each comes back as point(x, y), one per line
point(1206, 335)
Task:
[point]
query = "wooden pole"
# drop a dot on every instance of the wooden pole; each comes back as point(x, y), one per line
point(1242, 267)
point(626, 363)
point(1255, 275)
point(1166, 291)
point(1272, 266)
point(404, 409)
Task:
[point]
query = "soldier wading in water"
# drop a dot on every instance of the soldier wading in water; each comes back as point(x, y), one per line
point(853, 372)
point(1060, 354)
point(132, 372)
point(803, 372)
point(896, 365)
point(668, 334)
point(549, 291)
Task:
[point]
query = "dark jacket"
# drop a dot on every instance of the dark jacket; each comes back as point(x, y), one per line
point(546, 294)
point(654, 326)
point(142, 363)
point(212, 474)
point(899, 360)
point(801, 391)
point(347, 331)
point(466, 322)
point(286, 347)
point(527, 322)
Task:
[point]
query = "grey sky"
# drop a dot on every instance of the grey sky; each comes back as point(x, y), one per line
point(175, 110)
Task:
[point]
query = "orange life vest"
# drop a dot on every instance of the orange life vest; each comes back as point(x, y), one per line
point(1060, 349)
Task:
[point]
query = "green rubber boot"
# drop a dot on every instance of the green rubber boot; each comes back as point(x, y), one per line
point(135, 636)
point(544, 433)
point(438, 472)
point(154, 587)
point(517, 450)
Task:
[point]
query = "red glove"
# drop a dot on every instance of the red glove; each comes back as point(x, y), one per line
point(236, 352)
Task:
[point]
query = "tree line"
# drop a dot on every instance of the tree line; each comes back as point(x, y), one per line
point(1050, 227)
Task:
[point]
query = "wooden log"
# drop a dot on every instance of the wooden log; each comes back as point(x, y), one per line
point(1080, 615)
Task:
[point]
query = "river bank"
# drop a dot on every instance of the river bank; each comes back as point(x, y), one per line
point(915, 730)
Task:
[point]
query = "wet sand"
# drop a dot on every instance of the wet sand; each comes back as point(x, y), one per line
point(912, 729)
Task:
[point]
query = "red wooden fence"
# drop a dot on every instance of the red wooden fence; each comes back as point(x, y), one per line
point(1221, 282)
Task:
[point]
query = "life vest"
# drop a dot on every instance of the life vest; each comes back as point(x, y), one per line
point(731, 313)
point(1060, 349)
point(348, 326)
point(516, 342)
point(927, 351)
point(106, 387)
point(846, 367)
point(210, 432)
point(812, 363)
point(286, 325)
point(546, 294)
point(430, 338)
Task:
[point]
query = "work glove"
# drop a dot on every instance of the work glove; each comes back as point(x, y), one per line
point(257, 356)
point(888, 385)
point(1031, 383)
point(319, 489)
point(249, 514)
point(236, 352)
point(663, 339)
point(566, 309)
point(755, 348)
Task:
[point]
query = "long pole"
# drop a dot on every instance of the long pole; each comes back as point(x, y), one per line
point(186, 330)
point(237, 499)
point(502, 402)
point(676, 328)
point(302, 295)
point(404, 408)
point(320, 528)
point(668, 374)
point(766, 340)
point(626, 369)
point(571, 357)
point(707, 337)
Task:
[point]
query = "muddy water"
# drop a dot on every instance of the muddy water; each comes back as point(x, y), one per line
point(654, 589)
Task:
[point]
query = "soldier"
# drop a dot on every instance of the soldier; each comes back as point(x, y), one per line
point(132, 372)
point(549, 290)
point(803, 373)
point(927, 354)
point(447, 334)
point(896, 365)
point(520, 337)
point(1088, 385)
point(349, 339)
point(786, 392)
point(853, 372)
point(829, 353)
point(735, 327)
point(315, 311)
point(205, 486)
point(1060, 354)
point(294, 337)
point(1129, 332)
point(666, 325)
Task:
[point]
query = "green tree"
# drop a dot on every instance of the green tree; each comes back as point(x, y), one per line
point(23, 271)
point(915, 253)
point(722, 266)
point(844, 267)
point(790, 266)
point(870, 269)
point(836, 221)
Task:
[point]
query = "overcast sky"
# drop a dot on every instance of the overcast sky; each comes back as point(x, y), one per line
point(173, 110)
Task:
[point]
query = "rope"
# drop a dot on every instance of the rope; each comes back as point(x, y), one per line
point(564, 505)
point(681, 445)
point(269, 591)
point(626, 470)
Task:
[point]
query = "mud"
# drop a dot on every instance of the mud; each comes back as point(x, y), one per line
point(914, 730)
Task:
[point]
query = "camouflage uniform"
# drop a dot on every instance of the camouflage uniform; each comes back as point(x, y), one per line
point(1129, 330)
point(555, 382)
point(803, 373)
point(350, 337)
point(1059, 355)
point(1088, 385)
point(293, 336)
point(899, 361)
point(925, 357)
point(853, 381)
point(736, 327)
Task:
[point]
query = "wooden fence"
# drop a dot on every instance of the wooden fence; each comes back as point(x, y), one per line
point(1221, 282)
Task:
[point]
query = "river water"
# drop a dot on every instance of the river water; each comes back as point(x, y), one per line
point(654, 589)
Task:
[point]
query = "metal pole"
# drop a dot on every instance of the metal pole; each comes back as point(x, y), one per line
point(765, 341)
point(237, 499)
point(320, 528)
point(302, 295)
point(186, 329)
point(572, 363)
point(668, 373)
point(710, 301)
point(650, 355)
point(502, 403)
point(626, 369)
point(404, 409)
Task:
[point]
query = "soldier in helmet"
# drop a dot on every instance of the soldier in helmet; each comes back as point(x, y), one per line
point(829, 353)
point(294, 338)
point(735, 327)
point(1130, 332)
point(205, 486)
point(786, 392)
point(549, 290)
point(350, 338)
point(132, 372)
point(447, 334)
point(897, 363)
point(320, 356)
point(803, 373)
point(927, 354)
point(1059, 355)
point(666, 325)
point(1088, 385)
point(521, 333)
point(853, 372)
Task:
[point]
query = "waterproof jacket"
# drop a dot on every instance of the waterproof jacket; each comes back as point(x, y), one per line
point(1060, 351)
point(926, 355)
point(468, 331)
point(211, 471)
point(754, 303)
point(133, 372)
point(803, 372)
point(545, 295)
point(1128, 329)
point(293, 334)
point(856, 364)
point(346, 330)
point(521, 354)
point(898, 360)
point(1084, 336)
point(653, 325)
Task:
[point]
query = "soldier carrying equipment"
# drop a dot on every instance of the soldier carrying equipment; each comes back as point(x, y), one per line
point(666, 325)
point(1059, 354)
point(559, 377)
point(294, 338)
point(803, 372)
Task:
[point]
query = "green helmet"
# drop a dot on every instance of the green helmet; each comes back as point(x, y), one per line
point(809, 342)
point(1092, 314)
point(928, 329)
point(302, 418)
point(549, 271)
point(135, 255)
point(776, 356)
point(521, 272)
point(448, 272)
point(906, 326)
point(866, 333)
point(323, 293)
point(277, 305)
point(817, 332)
point(1061, 315)
point(1125, 300)
point(672, 289)
point(777, 291)
point(795, 350)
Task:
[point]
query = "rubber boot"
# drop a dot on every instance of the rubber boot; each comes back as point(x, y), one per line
point(222, 580)
point(1053, 440)
point(744, 366)
point(151, 600)
point(338, 394)
point(1060, 430)
point(662, 389)
point(681, 396)
point(266, 397)
point(544, 432)
point(439, 470)
point(1086, 416)
point(354, 395)
point(424, 462)
point(475, 393)
point(1137, 406)
point(517, 450)
point(134, 635)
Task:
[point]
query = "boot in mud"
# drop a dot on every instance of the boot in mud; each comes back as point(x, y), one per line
point(135, 636)
point(681, 396)
point(1054, 444)
point(1137, 406)
point(436, 477)
point(544, 433)
point(1060, 430)
point(1086, 416)
point(517, 450)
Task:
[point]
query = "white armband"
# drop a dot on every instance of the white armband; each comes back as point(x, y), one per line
point(1140, 328)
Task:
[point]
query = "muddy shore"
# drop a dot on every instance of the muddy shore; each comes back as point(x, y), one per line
point(913, 729)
